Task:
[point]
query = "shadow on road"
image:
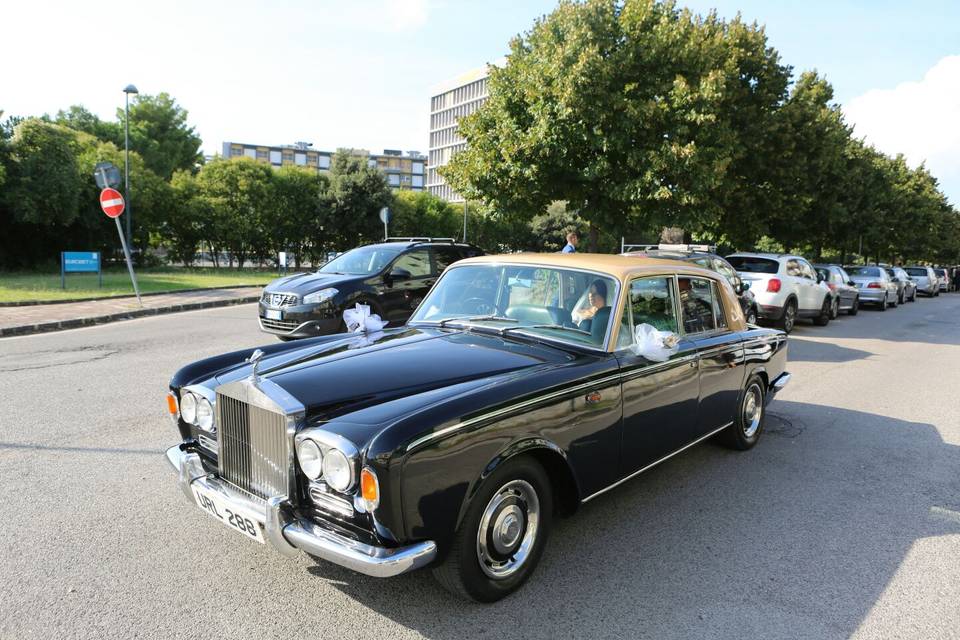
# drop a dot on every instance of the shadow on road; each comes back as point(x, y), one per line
point(814, 351)
point(796, 538)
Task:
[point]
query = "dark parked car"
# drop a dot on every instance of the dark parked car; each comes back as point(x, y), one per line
point(703, 256)
point(523, 386)
point(391, 277)
point(844, 293)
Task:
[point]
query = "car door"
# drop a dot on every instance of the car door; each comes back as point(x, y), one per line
point(402, 295)
point(660, 398)
point(813, 292)
point(719, 350)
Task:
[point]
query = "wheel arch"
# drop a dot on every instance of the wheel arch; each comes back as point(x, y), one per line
point(550, 456)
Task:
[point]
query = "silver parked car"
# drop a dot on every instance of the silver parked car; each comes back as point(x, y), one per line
point(906, 288)
point(875, 285)
point(944, 279)
point(926, 279)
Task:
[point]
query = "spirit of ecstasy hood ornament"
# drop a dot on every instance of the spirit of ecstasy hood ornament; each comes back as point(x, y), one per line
point(254, 359)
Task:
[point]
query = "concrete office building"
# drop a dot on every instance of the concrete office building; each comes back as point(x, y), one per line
point(451, 101)
point(403, 171)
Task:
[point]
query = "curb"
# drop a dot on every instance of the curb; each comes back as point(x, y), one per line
point(33, 303)
point(45, 327)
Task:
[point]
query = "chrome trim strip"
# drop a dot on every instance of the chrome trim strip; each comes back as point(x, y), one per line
point(505, 410)
point(653, 464)
point(281, 333)
point(782, 380)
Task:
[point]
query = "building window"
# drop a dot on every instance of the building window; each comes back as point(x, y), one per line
point(417, 168)
point(250, 153)
point(393, 180)
point(417, 181)
point(275, 157)
point(372, 163)
point(300, 159)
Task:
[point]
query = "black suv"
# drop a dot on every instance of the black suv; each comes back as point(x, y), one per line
point(702, 256)
point(392, 277)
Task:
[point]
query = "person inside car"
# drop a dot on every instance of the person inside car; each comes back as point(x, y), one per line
point(596, 300)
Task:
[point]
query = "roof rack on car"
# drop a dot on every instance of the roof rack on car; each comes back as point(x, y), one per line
point(424, 239)
point(626, 248)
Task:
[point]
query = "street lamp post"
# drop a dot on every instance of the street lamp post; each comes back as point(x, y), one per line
point(126, 158)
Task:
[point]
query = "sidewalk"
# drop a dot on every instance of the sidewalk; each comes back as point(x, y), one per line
point(54, 317)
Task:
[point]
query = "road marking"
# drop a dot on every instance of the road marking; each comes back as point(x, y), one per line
point(947, 514)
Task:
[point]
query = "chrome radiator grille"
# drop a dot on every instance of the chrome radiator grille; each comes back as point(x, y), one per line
point(255, 450)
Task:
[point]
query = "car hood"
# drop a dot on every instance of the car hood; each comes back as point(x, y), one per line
point(335, 378)
point(304, 283)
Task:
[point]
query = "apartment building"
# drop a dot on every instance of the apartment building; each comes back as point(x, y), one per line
point(404, 170)
point(451, 101)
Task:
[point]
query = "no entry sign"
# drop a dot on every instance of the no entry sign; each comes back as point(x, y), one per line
point(111, 202)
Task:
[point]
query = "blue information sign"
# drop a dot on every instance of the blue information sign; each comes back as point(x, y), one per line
point(79, 262)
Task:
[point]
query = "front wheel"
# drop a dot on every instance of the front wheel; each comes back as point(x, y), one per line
point(752, 315)
point(502, 535)
point(745, 431)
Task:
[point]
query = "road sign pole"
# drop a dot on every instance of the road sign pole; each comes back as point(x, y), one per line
point(63, 277)
point(126, 253)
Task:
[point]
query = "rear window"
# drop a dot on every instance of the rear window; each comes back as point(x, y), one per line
point(871, 272)
point(753, 265)
point(917, 272)
point(940, 272)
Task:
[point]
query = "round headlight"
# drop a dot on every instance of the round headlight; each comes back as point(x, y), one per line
point(188, 408)
point(337, 470)
point(311, 458)
point(204, 414)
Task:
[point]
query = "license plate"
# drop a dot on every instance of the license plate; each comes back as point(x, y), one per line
point(220, 509)
point(274, 314)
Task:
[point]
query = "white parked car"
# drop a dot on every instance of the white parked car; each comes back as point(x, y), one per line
point(786, 287)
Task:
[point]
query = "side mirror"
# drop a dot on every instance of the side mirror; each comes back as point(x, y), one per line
point(399, 273)
point(745, 285)
point(738, 288)
point(851, 283)
point(819, 277)
point(894, 279)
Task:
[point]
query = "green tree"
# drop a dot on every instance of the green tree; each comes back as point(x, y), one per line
point(549, 229)
point(159, 132)
point(79, 118)
point(421, 214)
point(239, 192)
point(300, 212)
point(619, 108)
point(357, 193)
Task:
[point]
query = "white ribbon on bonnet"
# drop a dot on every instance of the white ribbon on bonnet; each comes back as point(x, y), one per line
point(360, 320)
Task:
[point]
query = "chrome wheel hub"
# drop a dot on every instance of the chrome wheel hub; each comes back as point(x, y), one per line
point(752, 411)
point(508, 529)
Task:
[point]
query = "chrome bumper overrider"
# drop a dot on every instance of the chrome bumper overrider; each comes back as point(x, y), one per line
point(288, 535)
point(782, 380)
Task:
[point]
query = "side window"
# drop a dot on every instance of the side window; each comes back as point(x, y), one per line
point(718, 308)
point(726, 271)
point(807, 271)
point(443, 257)
point(651, 302)
point(793, 268)
point(416, 262)
point(844, 276)
point(697, 305)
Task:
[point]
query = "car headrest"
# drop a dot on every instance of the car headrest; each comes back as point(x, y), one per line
point(598, 328)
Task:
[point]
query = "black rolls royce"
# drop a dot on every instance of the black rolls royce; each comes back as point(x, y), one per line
point(522, 386)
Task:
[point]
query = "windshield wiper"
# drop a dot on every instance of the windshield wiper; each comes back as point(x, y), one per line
point(444, 322)
point(547, 326)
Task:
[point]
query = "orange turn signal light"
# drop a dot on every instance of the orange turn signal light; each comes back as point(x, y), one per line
point(369, 488)
point(171, 403)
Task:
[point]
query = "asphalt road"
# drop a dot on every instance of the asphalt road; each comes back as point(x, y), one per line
point(843, 522)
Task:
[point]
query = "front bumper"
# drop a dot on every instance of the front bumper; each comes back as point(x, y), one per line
point(777, 385)
point(301, 321)
point(289, 534)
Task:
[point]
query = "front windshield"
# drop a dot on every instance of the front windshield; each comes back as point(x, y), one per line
point(558, 304)
point(362, 261)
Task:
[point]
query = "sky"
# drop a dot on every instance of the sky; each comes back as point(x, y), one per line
point(360, 73)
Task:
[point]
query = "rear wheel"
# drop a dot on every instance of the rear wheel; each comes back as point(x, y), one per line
point(789, 317)
point(502, 535)
point(835, 308)
point(896, 301)
point(752, 315)
point(855, 307)
point(745, 431)
point(883, 305)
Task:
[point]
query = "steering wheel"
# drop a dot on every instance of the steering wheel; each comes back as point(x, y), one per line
point(480, 306)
